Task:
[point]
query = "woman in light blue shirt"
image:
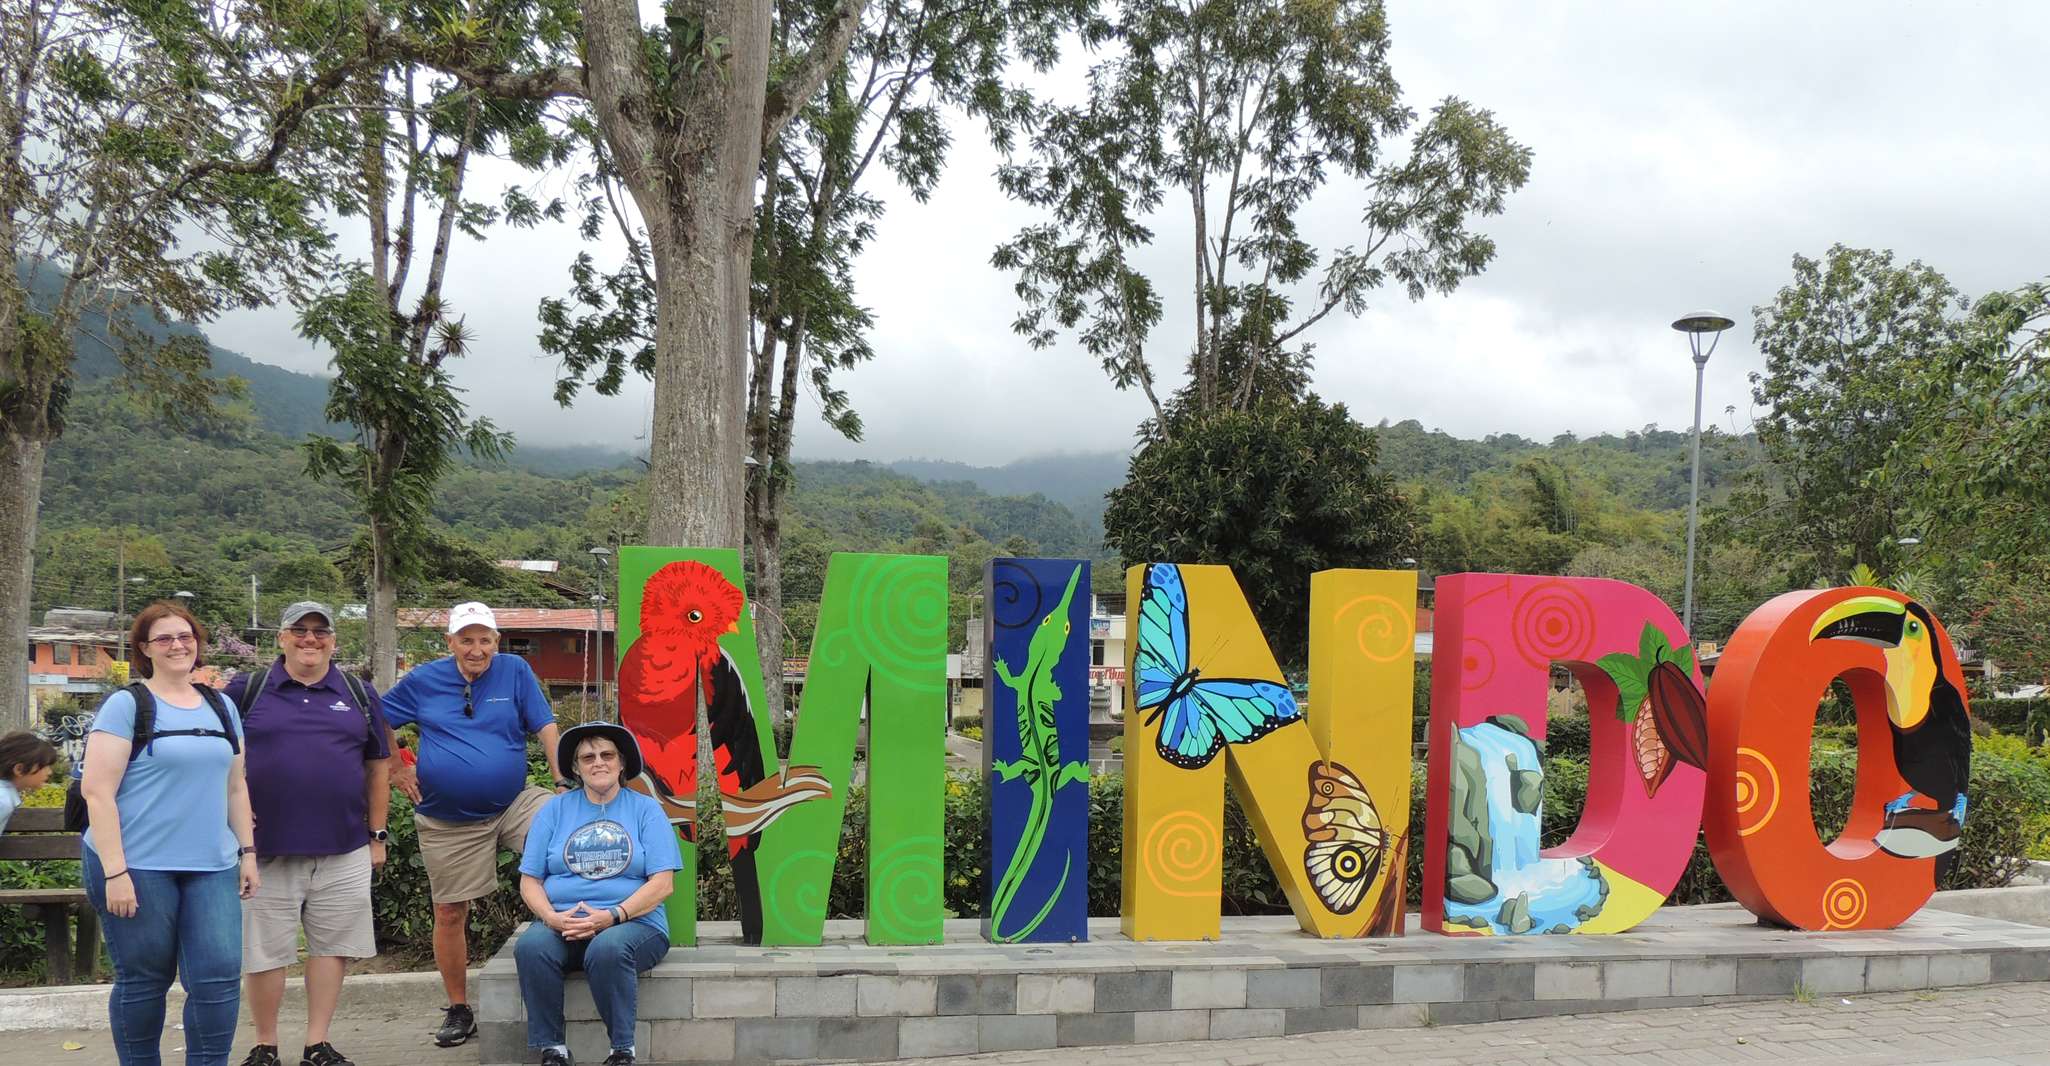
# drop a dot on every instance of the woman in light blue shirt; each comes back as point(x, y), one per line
point(168, 853)
point(599, 862)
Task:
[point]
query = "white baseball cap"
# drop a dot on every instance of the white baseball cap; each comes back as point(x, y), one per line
point(472, 613)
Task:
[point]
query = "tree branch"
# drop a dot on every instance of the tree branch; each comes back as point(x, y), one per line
point(796, 87)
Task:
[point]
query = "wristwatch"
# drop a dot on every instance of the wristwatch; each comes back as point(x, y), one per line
point(564, 782)
point(380, 836)
point(249, 850)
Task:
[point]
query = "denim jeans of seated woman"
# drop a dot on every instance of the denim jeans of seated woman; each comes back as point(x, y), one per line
point(612, 961)
point(186, 925)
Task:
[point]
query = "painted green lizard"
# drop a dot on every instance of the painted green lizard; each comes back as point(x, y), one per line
point(1039, 760)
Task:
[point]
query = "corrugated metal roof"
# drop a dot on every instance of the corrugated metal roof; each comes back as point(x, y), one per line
point(512, 619)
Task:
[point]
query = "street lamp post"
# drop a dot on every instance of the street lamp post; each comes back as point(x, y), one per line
point(1710, 324)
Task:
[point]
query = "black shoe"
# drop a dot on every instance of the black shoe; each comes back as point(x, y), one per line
point(262, 1055)
point(552, 1057)
point(457, 1025)
point(324, 1054)
point(620, 1058)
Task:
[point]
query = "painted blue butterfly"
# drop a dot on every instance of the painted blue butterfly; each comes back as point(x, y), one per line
point(1201, 715)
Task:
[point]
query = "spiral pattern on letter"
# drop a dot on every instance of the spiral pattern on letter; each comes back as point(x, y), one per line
point(1476, 663)
point(1758, 791)
point(1182, 853)
point(899, 618)
point(906, 890)
point(1843, 904)
point(1552, 621)
point(795, 895)
point(1382, 627)
point(1016, 600)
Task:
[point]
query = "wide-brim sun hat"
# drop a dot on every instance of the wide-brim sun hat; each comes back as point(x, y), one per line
point(621, 738)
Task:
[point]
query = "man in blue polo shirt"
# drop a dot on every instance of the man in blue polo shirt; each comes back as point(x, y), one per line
point(317, 757)
point(475, 710)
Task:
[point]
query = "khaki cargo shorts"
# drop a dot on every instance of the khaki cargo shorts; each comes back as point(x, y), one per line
point(462, 857)
point(329, 895)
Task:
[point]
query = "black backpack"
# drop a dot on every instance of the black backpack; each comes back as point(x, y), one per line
point(253, 683)
point(146, 733)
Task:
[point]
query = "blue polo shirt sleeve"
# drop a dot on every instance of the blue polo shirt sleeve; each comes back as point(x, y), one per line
point(658, 838)
point(535, 713)
point(376, 748)
point(540, 841)
point(401, 705)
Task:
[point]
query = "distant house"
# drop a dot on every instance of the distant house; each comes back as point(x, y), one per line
point(557, 642)
point(69, 654)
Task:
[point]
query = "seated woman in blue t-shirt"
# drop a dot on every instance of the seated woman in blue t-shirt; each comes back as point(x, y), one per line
point(599, 862)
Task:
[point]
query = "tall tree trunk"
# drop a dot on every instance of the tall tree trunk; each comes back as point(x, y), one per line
point(21, 490)
point(765, 586)
point(702, 263)
point(383, 643)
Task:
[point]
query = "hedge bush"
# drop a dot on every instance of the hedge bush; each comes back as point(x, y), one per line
point(1999, 838)
point(2028, 719)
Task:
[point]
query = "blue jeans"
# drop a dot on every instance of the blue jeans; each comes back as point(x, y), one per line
point(188, 925)
point(613, 962)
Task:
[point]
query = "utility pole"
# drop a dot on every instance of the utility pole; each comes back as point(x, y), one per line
point(252, 602)
point(121, 596)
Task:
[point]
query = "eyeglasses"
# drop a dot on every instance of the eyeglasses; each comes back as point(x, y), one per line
point(171, 640)
point(593, 758)
point(469, 709)
point(302, 632)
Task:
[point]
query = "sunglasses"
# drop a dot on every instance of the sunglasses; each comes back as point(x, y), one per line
point(469, 709)
point(303, 632)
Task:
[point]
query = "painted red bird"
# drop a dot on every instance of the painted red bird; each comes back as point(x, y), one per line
point(685, 608)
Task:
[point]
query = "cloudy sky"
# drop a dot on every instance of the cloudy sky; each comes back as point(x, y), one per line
point(1683, 155)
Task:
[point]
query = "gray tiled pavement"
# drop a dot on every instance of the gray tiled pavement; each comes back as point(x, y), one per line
point(1991, 1024)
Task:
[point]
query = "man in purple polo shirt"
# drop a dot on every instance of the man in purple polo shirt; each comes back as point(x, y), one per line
point(319, 786)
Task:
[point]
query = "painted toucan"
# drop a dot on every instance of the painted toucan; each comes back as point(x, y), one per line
point(1925, 705)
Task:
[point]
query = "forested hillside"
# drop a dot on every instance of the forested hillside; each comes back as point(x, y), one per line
point(214, 502)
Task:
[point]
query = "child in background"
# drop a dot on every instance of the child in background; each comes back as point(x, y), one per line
point(25, 762)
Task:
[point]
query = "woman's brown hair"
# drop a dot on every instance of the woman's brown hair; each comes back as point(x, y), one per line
point(25, 749)
point(138, 634)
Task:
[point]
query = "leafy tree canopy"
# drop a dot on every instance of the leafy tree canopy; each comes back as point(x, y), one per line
point(1277, 493)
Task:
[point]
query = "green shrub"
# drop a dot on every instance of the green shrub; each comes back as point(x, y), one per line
point(2028, 719)
point(1999, 837)
point(21, 937)
point(1568, 736)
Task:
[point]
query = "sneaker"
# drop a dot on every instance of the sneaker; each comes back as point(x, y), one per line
point(457, 1025)
point(324, 1054)
point(262, 1055)
point(620, 1058)
point(552, 1057)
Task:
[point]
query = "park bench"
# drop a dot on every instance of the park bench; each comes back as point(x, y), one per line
point(37, 833)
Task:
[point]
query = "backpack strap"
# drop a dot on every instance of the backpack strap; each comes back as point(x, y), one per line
point(145, 718)
point(252, 687)
point(219, 703)
point(357, 692)
point(146, 731)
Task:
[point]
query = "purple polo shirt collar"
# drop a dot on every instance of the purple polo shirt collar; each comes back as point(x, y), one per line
point(305, 748)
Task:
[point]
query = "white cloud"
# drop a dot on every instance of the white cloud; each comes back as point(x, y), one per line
point(1683, 154)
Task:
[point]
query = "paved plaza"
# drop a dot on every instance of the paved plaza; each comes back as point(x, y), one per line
point(1986, 1024)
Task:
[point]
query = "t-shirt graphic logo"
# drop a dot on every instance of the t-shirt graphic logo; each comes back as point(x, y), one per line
point(338, 705)
point(599, 850)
